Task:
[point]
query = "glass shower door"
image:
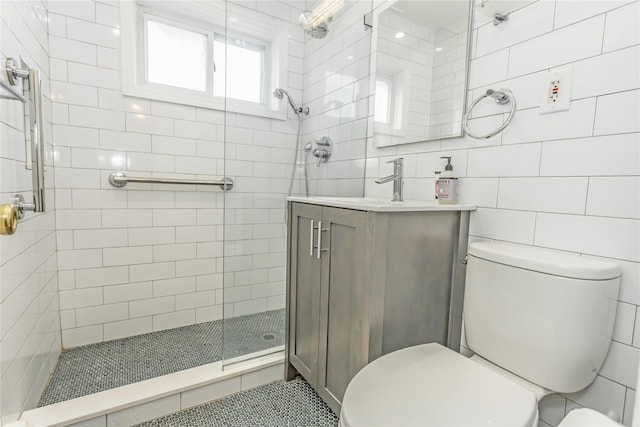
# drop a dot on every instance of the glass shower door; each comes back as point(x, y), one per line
point(269, 152)
point(258, 155)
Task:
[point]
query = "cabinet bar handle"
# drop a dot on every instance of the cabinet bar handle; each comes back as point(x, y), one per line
point(311, 239)
point(319, 237)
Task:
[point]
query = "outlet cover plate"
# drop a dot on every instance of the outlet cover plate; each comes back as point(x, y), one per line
point(563, 79)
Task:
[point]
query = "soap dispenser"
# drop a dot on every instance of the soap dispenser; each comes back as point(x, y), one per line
point(447, 185)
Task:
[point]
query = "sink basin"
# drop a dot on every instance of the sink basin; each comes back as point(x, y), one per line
point(381, 205)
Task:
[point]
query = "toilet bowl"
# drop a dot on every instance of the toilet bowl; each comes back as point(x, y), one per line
point(539, 322)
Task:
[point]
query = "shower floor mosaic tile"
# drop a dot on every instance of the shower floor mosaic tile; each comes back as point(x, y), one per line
point(97, 367)
point(293, 403)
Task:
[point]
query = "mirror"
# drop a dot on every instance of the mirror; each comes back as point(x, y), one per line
point(420, 62)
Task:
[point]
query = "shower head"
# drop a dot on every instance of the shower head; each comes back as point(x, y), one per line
point(281, 93)
point(317, 30)
point(316, 22)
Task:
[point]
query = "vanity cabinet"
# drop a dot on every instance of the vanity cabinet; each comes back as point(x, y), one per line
point(362, 283)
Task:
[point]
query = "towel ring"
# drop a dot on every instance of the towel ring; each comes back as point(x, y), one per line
point(502, 97)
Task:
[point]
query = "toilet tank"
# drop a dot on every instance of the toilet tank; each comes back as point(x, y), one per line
point(543, 315)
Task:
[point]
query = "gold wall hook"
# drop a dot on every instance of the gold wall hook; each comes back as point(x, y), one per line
point(8, 219)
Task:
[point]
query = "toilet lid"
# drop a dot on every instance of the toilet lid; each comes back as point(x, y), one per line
point(430, 385)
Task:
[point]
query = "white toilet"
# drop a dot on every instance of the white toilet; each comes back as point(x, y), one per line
point(538, 321)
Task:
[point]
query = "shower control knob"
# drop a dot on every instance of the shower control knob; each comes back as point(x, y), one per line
point(324, 151)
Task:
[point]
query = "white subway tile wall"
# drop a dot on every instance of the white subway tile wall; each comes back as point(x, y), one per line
point(568, 180)
point(150, 257)
point(30, 320)
point(335, 86)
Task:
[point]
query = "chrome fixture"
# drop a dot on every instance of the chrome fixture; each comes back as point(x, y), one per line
point(300, 111)
point(13, 72)
point(316, 22)
point(499, 18)
point(323, 152)
point(502, 97)
point(119, 180)
point(13, 212)
point(398, 171)
point(281, 93)
point(368, 21)
point(318, 30)
point(499, 10)
point(319, 247)
point(308, 146)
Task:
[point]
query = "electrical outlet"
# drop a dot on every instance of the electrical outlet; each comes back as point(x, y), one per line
point(557, 91)
point(554, 91)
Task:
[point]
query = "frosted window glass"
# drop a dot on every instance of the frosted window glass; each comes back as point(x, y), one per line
point(241, 67)
point(176, 57)
point(381, 113)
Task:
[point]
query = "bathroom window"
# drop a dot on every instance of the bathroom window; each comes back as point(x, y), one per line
point(242, 68)
point(193, 56)
point(176, 56)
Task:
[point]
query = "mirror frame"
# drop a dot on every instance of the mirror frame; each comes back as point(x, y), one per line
point(382, 7)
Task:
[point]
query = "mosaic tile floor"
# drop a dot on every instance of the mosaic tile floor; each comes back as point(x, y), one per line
point(97, 367)
point(293, 403)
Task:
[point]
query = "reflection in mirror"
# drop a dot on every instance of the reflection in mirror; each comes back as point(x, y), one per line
point(420, 62)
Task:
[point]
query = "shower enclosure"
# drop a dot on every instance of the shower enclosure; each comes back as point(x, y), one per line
point(323, 94)
point(166, 271)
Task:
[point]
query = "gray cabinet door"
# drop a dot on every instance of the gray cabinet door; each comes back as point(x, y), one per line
point(344, 302)
point(304, 291)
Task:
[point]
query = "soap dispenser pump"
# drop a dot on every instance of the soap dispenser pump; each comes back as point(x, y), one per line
point(447, 185)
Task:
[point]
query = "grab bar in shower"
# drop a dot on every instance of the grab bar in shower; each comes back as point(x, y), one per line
point(13, 93)
point(11, 213)
point(119, 180)
point(37, 139)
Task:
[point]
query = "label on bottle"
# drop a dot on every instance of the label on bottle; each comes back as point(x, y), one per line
point(447, 190)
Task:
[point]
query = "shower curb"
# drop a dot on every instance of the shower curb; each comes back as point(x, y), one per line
point(150, 399)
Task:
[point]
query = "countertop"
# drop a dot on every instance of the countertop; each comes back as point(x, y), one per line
point(381, 205)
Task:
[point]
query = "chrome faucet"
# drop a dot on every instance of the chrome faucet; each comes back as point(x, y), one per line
point(398, 166)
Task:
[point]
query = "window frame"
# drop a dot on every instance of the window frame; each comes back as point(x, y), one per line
point(143, 60)
point(264, 72)
point(274, 59)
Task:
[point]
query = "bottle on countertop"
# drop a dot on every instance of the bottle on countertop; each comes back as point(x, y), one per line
point(447, 185)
